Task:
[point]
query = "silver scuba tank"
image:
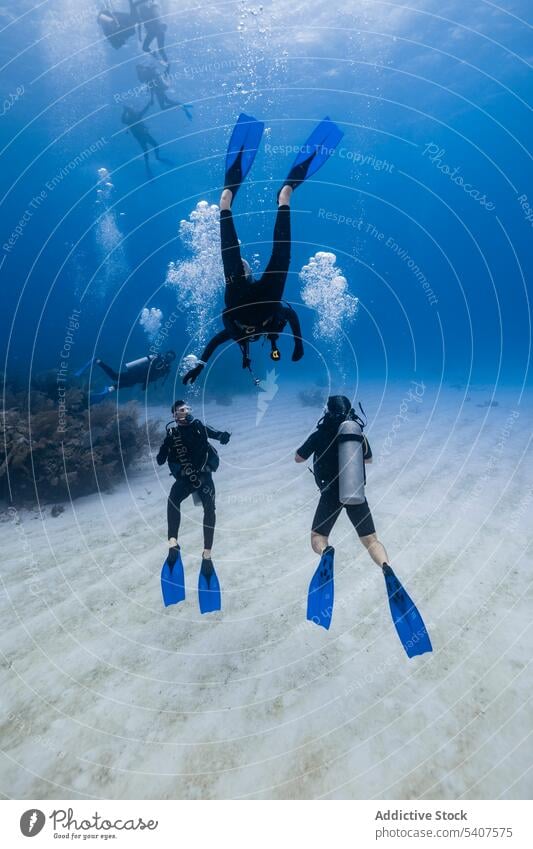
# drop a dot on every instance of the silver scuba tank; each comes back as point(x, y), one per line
point(141, 361)
point(351, 463)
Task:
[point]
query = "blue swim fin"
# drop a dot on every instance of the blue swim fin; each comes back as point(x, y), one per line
point(81, 371)
point(321, 591)
point(409, 624)
point(315, 152)
point(96, 397)
point(173, 578)
point(242, 149)
point(208, 588)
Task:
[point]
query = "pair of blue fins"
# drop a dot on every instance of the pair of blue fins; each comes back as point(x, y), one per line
point(94, 397)
point(173, 584)
point(245, 140)
point(407, 620)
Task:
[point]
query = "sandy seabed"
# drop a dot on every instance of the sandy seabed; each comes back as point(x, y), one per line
point(106, 694)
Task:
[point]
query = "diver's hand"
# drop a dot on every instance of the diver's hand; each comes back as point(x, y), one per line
point(298, 352)
point(162, 455)
point(191, 375)
point(224, 437)
point(275, 354)
point(246, 362)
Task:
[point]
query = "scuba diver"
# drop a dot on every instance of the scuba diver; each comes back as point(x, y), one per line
point(132, 119)
point(149, 13)
point(140, 372)
point(157, 86)
point(191, 460)
point(253, 309)
point(117, 27)
point(340, 453)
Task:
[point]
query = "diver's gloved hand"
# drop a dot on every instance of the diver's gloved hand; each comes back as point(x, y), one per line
point(191, 375)
point(164, 451)
point(275, 354)
point(246, 362)
point(298, 352)
point(224, 437)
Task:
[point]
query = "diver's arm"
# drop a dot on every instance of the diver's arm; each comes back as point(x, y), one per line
point(291, 316)
point(304, 451)
point(223, 436)
point(219, 339)
point(162, 455)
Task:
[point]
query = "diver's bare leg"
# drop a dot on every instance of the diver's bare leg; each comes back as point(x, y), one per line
point(284, 197)
point(375, 548)
point(225, 199)
point(318, 541)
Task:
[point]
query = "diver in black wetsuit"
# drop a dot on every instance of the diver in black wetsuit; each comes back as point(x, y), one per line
point(136, 126)
point(192, 461)
point(253, 309)
point(323, 444)
point(149, 13)
point(117, 27)
point(157, 86)
point(141, 372)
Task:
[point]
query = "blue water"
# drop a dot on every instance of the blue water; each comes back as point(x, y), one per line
point(426, 94)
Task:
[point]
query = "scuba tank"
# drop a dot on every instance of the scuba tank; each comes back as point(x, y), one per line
point(117, 27)
point(351, 463)
point(141, 361)
point(349, 439)
point(343, 459)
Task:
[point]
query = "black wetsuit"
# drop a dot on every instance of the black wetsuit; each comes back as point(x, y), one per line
point(158, 89)
point(323, 444)
point(254, 309)
point(149, 13)
point(117, 27)
point(132, 119)
point(191, 459)
point(148, 370)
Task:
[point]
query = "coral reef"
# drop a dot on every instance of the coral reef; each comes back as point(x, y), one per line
point(52, 452)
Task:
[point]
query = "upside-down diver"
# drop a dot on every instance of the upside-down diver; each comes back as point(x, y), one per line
point(254, 308)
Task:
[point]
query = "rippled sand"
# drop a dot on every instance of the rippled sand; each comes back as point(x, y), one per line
point(107, 694)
